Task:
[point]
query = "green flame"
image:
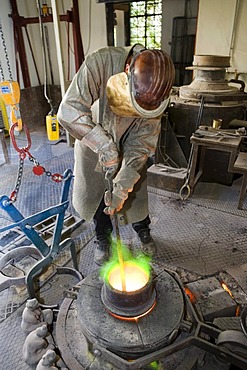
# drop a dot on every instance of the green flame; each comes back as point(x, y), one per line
point(154, 365)
point(141, 261)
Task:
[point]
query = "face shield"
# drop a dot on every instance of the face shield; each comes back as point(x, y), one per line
point(118, 95)
point(144, 91)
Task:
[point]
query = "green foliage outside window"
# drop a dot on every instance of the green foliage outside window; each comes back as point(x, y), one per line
point(146, 23)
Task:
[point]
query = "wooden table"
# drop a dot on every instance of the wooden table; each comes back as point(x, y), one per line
point(225, 143)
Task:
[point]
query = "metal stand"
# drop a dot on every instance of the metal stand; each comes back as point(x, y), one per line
point(48, 253)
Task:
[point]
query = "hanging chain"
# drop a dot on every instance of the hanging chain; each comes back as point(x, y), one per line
point(39, 170)
point(6, 55)
point(23, 152)
point(1, 71)
point(13, 195)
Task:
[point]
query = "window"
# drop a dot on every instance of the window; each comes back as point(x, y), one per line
point(146, 22)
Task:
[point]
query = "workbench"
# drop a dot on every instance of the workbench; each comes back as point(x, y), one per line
point(200, 142)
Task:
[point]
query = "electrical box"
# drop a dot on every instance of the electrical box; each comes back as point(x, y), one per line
point(52, 127)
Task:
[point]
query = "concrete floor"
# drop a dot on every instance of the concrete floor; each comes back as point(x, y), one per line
point(200, 238)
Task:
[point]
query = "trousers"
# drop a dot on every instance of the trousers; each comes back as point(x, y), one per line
point(103, 224)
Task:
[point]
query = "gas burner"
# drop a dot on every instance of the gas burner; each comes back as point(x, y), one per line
point(99, 330)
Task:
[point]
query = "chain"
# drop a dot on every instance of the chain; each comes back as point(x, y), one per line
point(23, 152)
point(6, 55)
point(13, 195)
point(39, 170)
point(1, 71)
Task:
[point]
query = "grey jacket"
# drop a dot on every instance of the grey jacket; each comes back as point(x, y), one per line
point(136, 138)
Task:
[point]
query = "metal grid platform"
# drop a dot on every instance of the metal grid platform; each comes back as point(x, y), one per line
point(202, 236)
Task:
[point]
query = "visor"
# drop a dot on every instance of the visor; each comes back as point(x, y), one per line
point(118, 95)
point(121, 99)
point(144, 112)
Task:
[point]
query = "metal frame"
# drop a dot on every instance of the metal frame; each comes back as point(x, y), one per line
point(49, 253)
point(19, 22)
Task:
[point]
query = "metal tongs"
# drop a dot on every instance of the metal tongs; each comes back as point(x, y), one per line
point(117, 232)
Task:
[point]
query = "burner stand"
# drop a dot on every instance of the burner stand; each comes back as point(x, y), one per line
point(173, 326)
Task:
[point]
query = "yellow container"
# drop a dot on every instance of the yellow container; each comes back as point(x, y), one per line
point(217, 123)
point(52, 127)
point(10, 92)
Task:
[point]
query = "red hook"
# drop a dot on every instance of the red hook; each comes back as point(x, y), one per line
point(23, 149)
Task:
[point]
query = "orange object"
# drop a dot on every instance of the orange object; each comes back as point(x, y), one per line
point(10, 93)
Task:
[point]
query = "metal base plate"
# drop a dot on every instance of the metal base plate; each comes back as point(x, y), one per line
point(128, 339)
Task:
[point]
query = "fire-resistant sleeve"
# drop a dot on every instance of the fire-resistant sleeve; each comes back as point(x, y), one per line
point(140, 143)
point(75, 113)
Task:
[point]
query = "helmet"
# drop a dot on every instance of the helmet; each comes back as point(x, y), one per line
point(151, 76)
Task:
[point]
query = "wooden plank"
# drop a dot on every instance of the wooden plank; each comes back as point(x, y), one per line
point(241, 162)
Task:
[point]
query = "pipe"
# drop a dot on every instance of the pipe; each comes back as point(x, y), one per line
point(58, 45)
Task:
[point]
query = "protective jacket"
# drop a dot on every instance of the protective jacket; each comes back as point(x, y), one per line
point(136, 138)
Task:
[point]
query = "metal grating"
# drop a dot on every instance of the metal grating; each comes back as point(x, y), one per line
point(201, 236)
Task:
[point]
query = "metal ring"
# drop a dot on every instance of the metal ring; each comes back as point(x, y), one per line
point(11, 132)
point(186, 196)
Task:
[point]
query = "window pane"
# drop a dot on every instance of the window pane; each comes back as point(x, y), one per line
point(145, 23)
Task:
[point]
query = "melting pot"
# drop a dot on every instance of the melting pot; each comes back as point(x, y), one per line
point(97, 303)
point(138, 296)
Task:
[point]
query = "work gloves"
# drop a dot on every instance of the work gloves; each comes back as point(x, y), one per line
point(123, 184)
point(100, 142)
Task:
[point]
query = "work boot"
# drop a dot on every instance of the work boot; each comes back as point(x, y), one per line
point(148, 246)
point(101, 253)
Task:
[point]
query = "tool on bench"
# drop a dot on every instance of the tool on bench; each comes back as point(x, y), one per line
point(185, 190)
point(211, 131)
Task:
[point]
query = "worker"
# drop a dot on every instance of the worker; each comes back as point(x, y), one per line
point(130, 87)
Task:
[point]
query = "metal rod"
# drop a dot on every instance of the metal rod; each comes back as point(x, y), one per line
point(120, 254)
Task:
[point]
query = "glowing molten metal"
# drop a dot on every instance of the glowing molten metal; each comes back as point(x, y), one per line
point(135, 277)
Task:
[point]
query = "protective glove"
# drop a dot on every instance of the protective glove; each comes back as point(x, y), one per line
point(100, 142)
point(123, 184)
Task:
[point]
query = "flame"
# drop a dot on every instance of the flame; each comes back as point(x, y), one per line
point(137, 268)
point(189, 293)
point(135, 277)
point(225, 287)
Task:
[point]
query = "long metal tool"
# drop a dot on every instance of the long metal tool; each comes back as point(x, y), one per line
point(119, 253)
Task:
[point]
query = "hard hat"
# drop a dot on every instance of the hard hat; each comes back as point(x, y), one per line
point(151, 76)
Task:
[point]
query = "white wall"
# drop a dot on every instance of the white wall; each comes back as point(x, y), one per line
point(8, 36)
point(222, 30)
point(215, 26)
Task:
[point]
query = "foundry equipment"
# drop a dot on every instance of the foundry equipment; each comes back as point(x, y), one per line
point(47, 253)
point(101, 327)
point(209, 98)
